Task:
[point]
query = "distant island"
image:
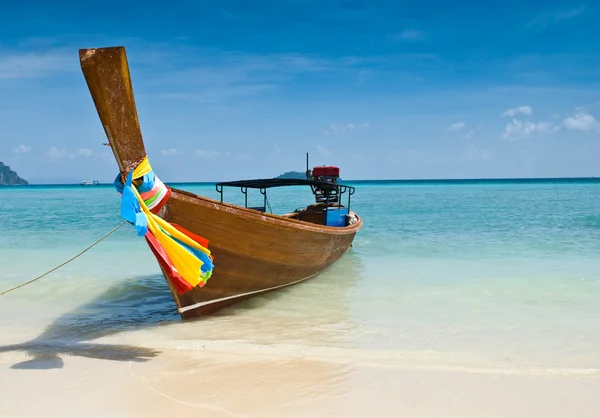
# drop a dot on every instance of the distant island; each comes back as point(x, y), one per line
point(9, 177)
point(292, 175)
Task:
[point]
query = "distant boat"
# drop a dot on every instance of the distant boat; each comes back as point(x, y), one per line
point(254, 251)
point(89, 183)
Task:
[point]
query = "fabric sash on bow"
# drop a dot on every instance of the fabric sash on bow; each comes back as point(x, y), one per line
point(182, 255)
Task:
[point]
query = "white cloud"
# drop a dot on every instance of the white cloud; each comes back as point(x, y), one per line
point(170, 152)
point(524, 110)
point(554, 16)
point(519, 130)
point(207, 154)
point(408, 35)
point(84, 152)
point(322, 150)
point(468, 134)
point(227, 75)
point(569, 14)
point(36, 65)
point(21, 149)
point(581, 121)
point(456, 126)
point(335, 129)
point(56, 153)
point(218, 94)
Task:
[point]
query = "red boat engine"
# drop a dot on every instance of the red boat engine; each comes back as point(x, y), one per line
point(327, 174)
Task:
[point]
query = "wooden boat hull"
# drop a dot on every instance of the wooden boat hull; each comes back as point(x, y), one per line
point(253, 252)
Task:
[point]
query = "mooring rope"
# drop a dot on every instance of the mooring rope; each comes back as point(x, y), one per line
point(66, 262)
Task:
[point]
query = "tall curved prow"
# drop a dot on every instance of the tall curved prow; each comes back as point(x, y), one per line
point(106, 73)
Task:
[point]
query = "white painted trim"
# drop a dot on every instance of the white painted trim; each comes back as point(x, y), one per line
point(210, 302)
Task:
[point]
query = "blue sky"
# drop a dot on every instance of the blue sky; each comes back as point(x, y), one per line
point(238, 89)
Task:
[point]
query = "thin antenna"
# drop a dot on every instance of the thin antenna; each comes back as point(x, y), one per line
point(307, 171)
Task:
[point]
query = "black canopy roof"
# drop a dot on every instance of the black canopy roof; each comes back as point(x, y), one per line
point(273, 182)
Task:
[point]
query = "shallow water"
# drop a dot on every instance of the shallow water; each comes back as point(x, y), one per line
point(482, 277)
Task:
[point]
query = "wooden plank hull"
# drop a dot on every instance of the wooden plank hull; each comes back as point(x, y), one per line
point(253, 252)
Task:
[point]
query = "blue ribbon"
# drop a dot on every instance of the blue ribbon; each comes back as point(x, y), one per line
point(130, 206)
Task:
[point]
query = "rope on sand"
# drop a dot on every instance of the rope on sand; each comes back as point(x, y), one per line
point(65, 263)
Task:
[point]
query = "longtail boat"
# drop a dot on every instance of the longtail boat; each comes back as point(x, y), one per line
point(249, 251)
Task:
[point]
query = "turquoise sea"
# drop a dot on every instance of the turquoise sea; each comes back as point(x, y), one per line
point(486, 276)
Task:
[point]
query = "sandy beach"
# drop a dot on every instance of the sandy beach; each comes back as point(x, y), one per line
point(212, 384)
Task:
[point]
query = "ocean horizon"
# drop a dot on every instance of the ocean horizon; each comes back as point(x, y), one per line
point(449, 181)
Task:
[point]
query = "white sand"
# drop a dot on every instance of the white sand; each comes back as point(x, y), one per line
point(238, 367)
point(207, 384)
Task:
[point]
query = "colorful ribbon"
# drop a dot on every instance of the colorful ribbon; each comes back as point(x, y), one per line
point(182, 255)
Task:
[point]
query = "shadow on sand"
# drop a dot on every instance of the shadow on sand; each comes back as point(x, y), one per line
point(132, 304)
point(145, 302)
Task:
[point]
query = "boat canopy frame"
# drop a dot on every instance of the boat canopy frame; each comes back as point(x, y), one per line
point(336, 190)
